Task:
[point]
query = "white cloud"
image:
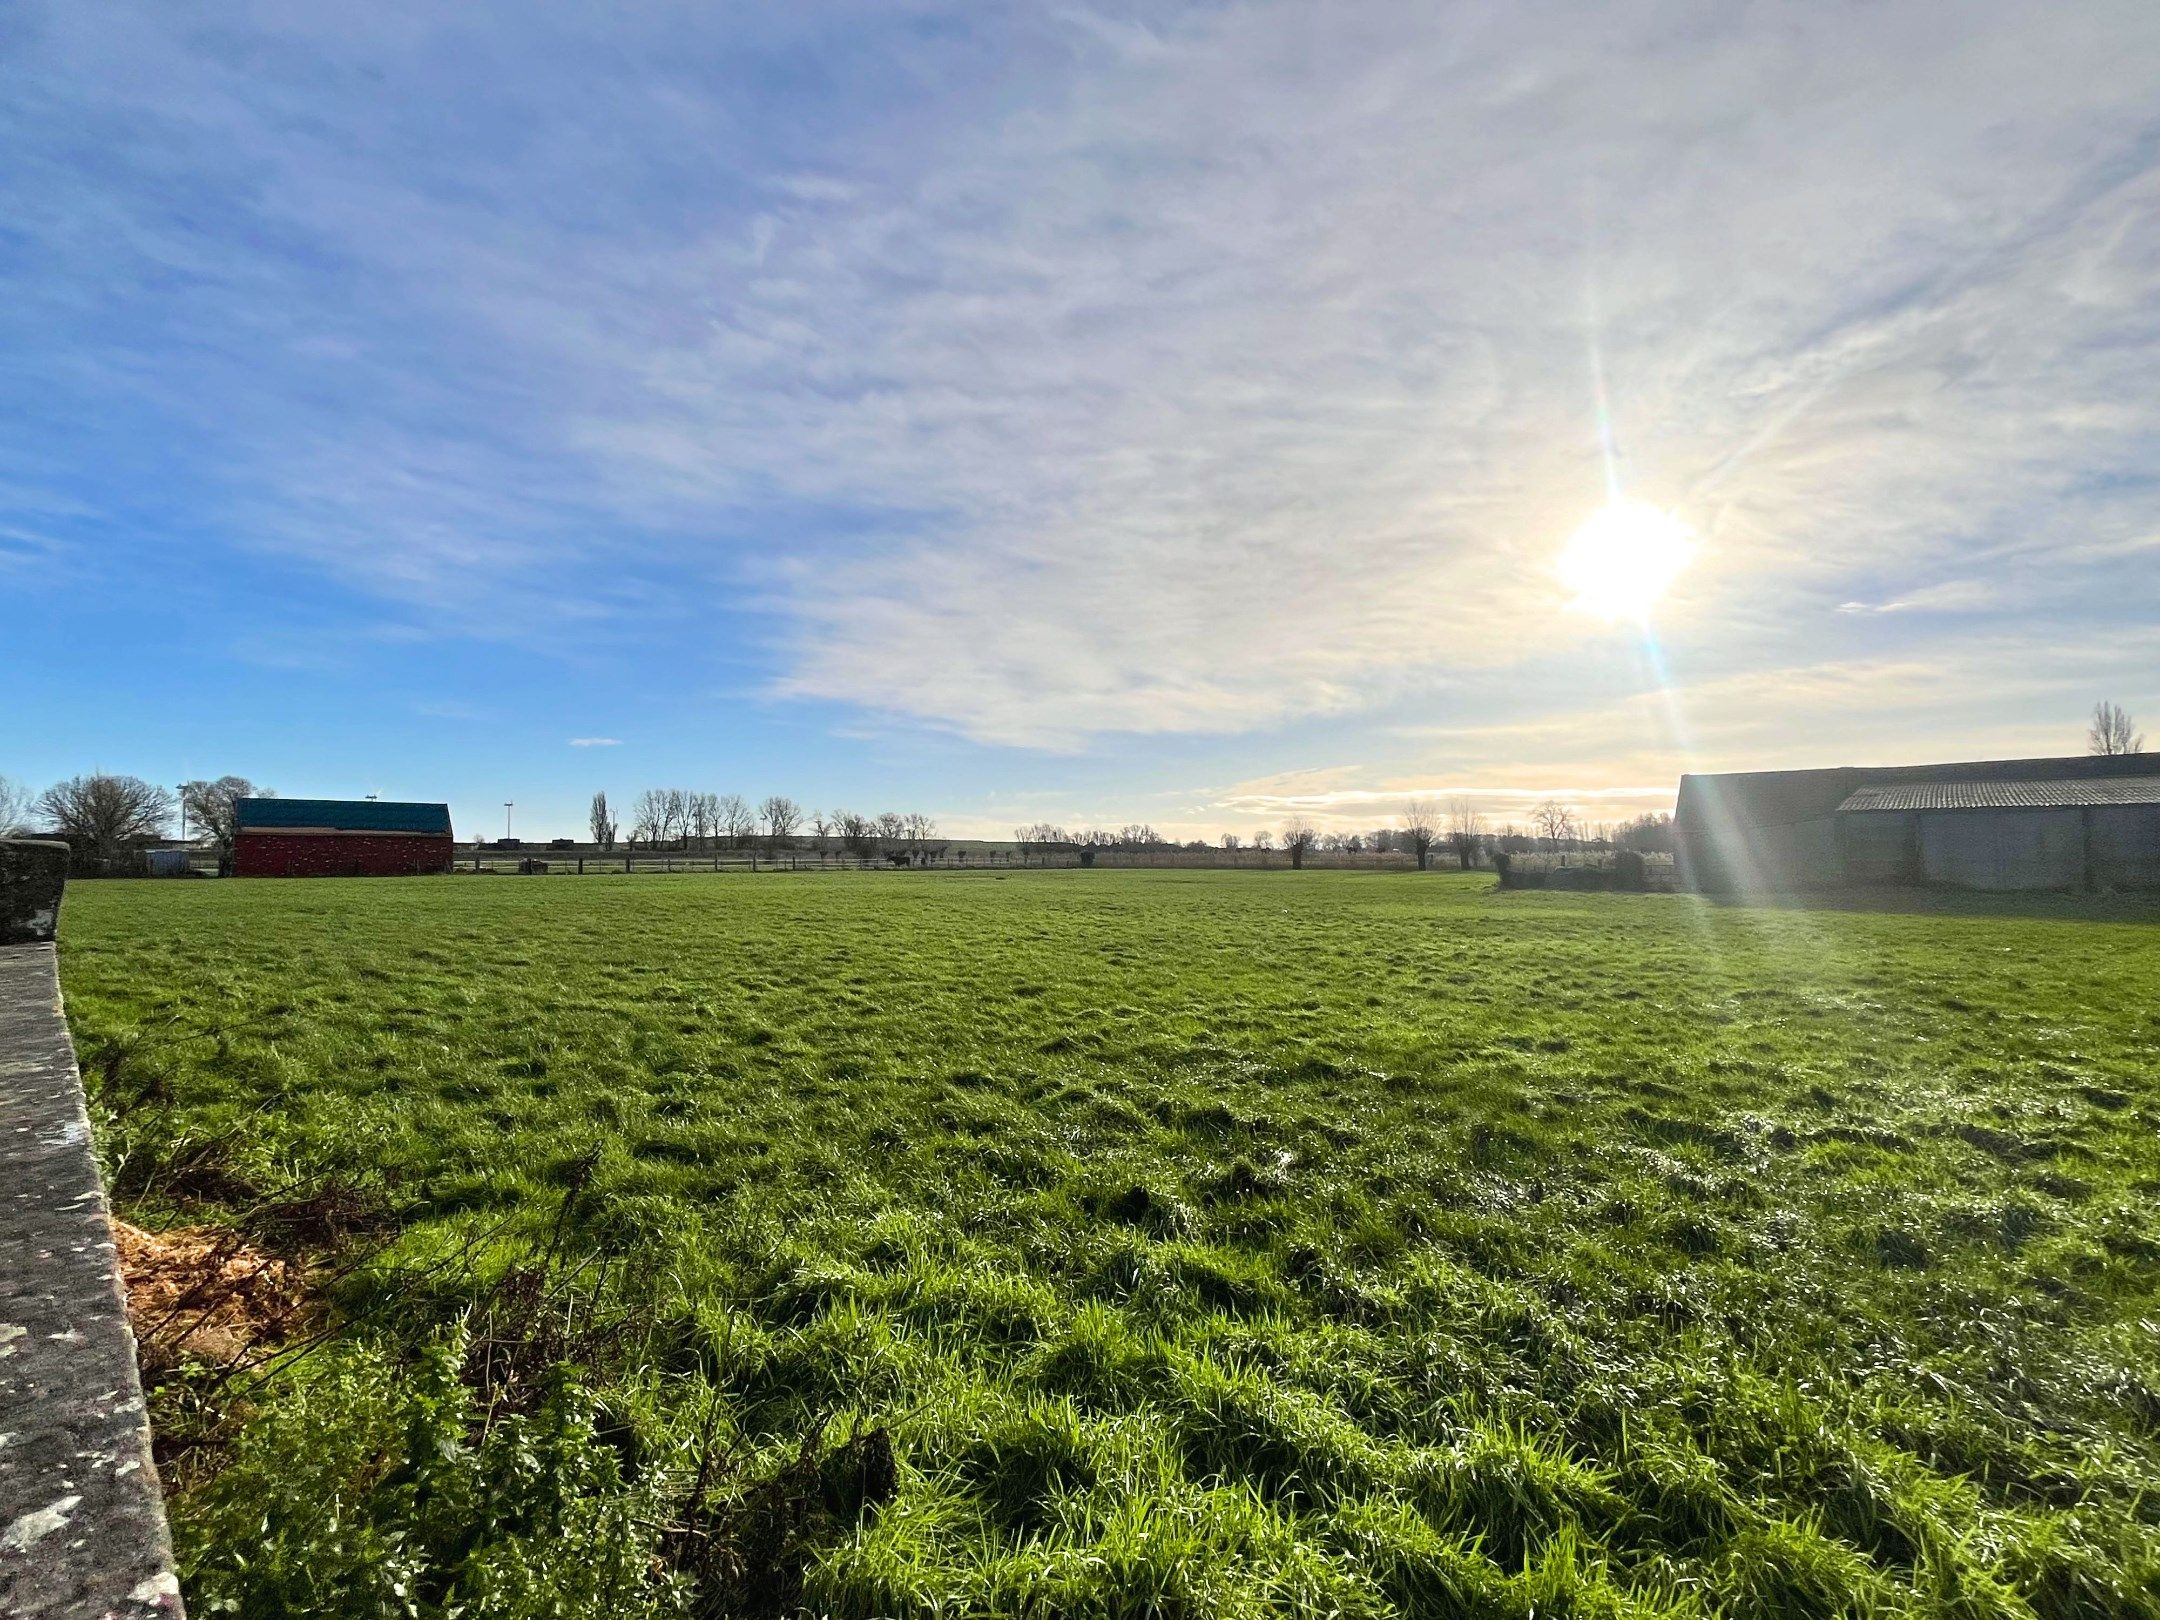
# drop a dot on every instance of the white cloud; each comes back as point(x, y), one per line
point(20, 547)
point(1951, 596)
point(1201, 370)
point(595, 742)
point(1251, 381)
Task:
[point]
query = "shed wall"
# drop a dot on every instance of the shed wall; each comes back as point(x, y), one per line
point(1729, 855)
point(270, 854)
point(2126, 846)
point(2003, 849)
point(1878, 847)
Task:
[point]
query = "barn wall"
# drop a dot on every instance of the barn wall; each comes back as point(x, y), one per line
point(1729, 855)
point(2004, 849)
point(270, 854)
point(1762, 831)
point(1879, 846)
point(1782, 830)
point(2126, 846)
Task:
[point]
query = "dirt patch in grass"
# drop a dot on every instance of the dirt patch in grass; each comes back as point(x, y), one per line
point(207, 1294)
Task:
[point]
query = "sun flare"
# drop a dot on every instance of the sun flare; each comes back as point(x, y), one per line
point(1624, 558)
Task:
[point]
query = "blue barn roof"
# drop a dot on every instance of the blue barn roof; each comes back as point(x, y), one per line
point(341, 815)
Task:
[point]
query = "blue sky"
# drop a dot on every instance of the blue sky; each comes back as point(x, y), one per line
point(1094, 413)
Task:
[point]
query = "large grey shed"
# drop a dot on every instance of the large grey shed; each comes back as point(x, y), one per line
point(2084, 822)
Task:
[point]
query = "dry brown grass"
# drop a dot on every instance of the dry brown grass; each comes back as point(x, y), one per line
point(205, 1293)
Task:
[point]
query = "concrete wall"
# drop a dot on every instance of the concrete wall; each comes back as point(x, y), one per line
point(82, 1528)
point(1880, 847)
point(2126, 846)
point(2104, 847)
point(1780, 830)
point(2003, 849)
point(1716, 850)
point(1792, 855)
point(1759, 831)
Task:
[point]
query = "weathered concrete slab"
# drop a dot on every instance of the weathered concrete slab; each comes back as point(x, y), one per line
point(82, 1527)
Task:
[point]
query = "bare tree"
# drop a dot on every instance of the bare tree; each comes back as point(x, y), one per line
point(857, 832)
point(15, 802)
point(1231, 841)
point(1298, 836)
point(678, 806)
point(734, 819)
point(107, 818)
point(820, 826)
point(602, 822)
point(1263, 839)
point(1553, 820)
point(2113, 731)
point(1421, 825)
point(648, 822)
point(1464, 828)
point(1038, 836)
point(920, 829)
point(782, 816)
point(213, 806)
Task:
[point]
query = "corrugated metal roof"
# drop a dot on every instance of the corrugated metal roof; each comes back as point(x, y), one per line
point(2043, 795)
point(343, 815)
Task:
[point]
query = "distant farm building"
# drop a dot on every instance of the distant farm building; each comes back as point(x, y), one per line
point(340, 838)
point(2085, 822)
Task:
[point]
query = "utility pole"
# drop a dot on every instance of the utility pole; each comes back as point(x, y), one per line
point(508, 806)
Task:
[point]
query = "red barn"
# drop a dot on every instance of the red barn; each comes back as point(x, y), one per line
point(339, 838)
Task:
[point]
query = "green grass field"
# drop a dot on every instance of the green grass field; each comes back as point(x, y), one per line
point(1180, 1244)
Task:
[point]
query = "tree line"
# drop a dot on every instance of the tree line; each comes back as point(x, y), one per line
point(680, 818)
point(1455, 826)
point(108, 821)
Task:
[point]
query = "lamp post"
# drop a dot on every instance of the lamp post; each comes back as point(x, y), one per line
point(183, 815)
point(508, 806)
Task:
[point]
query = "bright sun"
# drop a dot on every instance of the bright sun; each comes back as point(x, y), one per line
point(1624, 558)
